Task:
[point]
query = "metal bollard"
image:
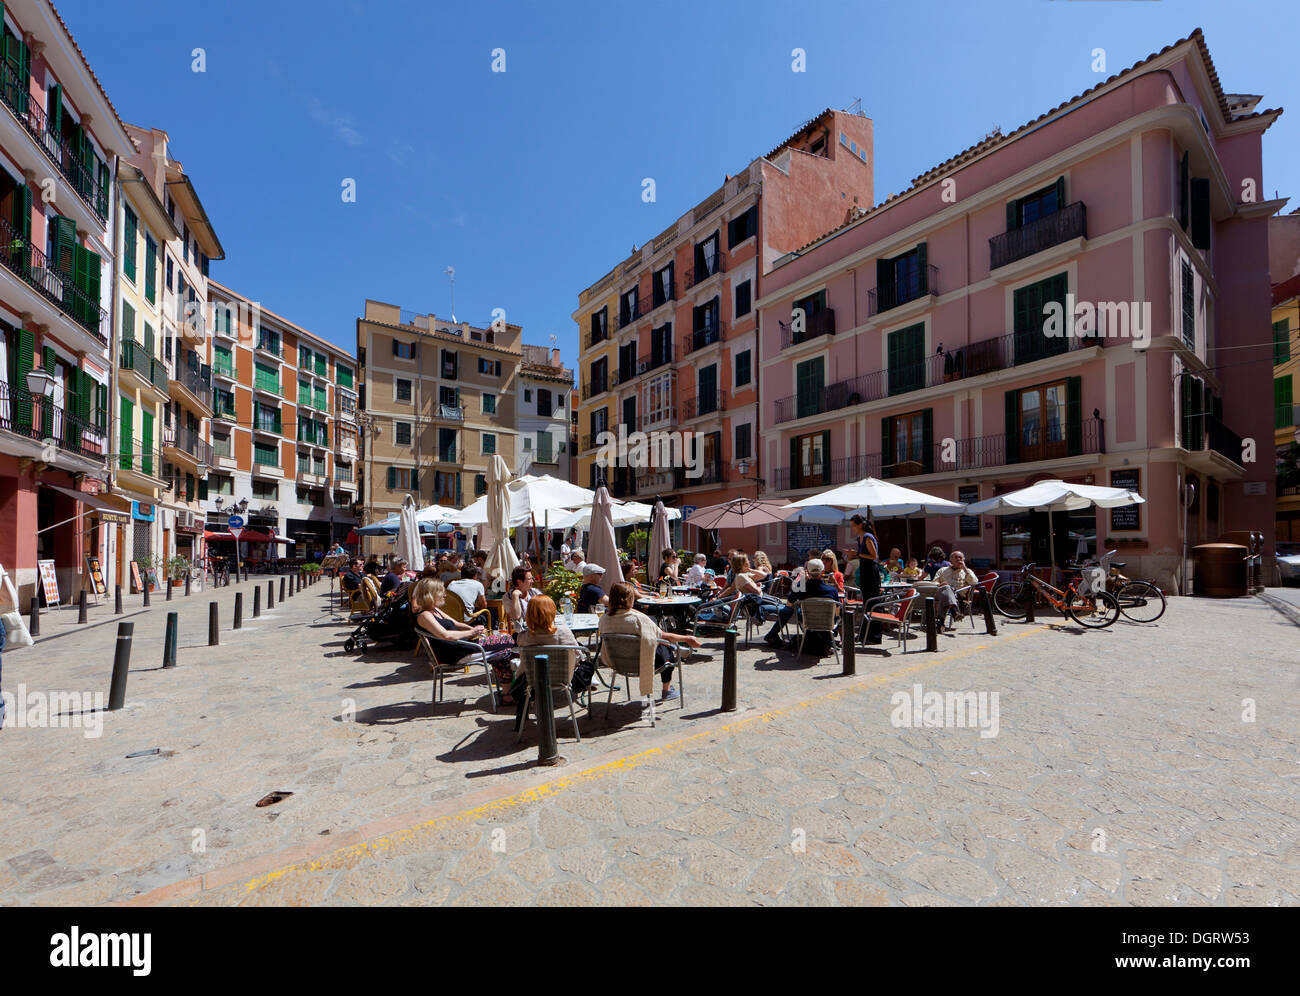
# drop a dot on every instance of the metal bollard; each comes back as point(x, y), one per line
point(121, 664)
point(187, 584)
point(282, 581)
point(548, 751)
point(1031, 598)
point(81, 606)
point(170, 586)
point(239, 610)
point(34, 627)
point(117, 599)
point(931, 627)
point(986, 601)
point(729, 671)
point(145, 586)
point(169, 640)
point(270, 595)
point(848, 633)
point(214, 626)
point(257, 600)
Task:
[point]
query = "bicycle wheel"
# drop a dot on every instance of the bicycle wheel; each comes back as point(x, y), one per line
point(1006, 599)
point(1096, 611)
point(1141, 601)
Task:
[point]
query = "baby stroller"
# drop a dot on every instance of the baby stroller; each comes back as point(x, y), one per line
point(390, 622)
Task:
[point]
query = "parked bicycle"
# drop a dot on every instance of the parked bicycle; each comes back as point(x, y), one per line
point(1139, 600)
point(1090, 607)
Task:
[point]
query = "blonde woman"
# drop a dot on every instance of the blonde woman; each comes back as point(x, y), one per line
point(427, 598)
point(762, 567)
point(831, 569)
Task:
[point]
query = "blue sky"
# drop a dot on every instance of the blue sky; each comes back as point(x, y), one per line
point(528, 182)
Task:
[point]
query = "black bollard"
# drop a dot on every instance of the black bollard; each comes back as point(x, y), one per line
point(270, 595)
point(145, 585)
point(848, 630)
point(931, 627)
point(169, 640)
point(1031, 596)
point(81, 606)
point(121, 664)
point(117, 599)
point(169, 585)
point(729, 671)
point(986, 602)
point(548, 751)
point(214, 625)
point(282, 582)
point(34, 627)
point(257, 600)
point(187, 584)
point(239, 610)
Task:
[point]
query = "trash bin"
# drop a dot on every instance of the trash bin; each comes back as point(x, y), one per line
point(1221, 570)
point(1253, 541)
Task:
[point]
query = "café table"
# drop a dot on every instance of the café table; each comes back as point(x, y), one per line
point(678, 606)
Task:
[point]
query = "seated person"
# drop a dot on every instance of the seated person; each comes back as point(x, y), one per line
point(353, 576)
point(544, 631)
point(698, 574)
point(718, 563)
point(934, 563)
point(895, 562)
point(912, 572)
point(624, 618)
point(517, 596)
point(394, 577)
point(575, 559)
point(956, 575)
point(427, 597)
point(815, 586)
point(591, 593)
point(469, 589)
point(761, 568)
point(832, 569)
point(373, 567)
point(668, 572)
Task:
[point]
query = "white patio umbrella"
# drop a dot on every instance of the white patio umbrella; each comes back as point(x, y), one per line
point(409, 546)
point(501, 559)
point(623, 513)
point(873, 497)
point(602, 548)
point(1054, 496)
point(658, 541)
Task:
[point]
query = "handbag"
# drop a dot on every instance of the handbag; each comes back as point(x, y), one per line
point(16, 634)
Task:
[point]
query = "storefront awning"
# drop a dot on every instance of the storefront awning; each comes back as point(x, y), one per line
point(94, 502)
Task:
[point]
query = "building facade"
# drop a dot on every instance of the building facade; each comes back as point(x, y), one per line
point(1286, 406)
point(669, 336)
point(545, 387)
point(438, 400)
point(60, 137)
point(284, 435)
point(1129, 208)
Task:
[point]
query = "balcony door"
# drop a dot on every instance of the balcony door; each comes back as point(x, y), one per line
point(1043, 422)
point(707, 392)
point(810, 381)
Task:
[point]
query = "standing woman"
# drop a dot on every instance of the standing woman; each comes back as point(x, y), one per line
point(868, 570)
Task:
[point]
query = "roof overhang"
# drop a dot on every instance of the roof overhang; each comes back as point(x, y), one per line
point(186, 197)
point(143, 196)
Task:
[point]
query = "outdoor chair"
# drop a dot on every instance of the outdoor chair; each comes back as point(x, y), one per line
point(621, 653)
point(891, 611)
point(561, 661)
point(819, 615)
point(366, 597)
point(722, 614)
point(473, 653)
point(780, 587)
point(753, 613)
point(461, 612)
point(985, 584)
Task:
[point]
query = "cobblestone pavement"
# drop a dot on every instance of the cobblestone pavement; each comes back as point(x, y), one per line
point(1126, 769)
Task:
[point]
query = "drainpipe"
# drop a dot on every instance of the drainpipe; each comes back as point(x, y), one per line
point(114, 404)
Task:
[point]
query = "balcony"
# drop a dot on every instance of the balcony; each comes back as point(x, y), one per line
point(660, 296)
point(655, 359)
point(593, 390)
point(345, 403)
point(186, 445)
point(224, 368)
point(266, 383)
point(915, 285)
point(594, 338)
point(32, 267)
point(655, 482)
point(15, 91)
point(815, 326)
point(629, 316)
point(715, 474)
point(266, 463)
point(1070, 222)
point(144, 461)
point(664, 418)
point(449, 413)
point(343, 473)
point(705, 404)
point(39, 420)
point(192, 383)
point(312, 476)
point(708, 335)
point(983, 357)
point(137, 365)
point(696, 275)
point(270, 347)
point(446, 455)
point(1210, 440)
point(269, 426)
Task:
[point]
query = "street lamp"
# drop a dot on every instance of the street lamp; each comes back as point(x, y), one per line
point(40, 383)
point(742, 465)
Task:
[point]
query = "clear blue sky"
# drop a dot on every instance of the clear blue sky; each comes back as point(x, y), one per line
point(528, 182)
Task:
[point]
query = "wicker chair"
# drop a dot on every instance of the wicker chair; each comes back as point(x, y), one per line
point(473, 654)
point(819, 615)
point(461, 612)
point(365, 598)
point(621, 653)
point(561, 660)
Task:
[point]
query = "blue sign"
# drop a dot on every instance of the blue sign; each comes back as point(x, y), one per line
point(688, 511)
point(235, 522)
point(143, 511)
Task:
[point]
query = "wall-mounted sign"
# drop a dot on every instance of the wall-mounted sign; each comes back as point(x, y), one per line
point(1126, 518)
point(968, 525)
point(143, 510)
point(1255, 487)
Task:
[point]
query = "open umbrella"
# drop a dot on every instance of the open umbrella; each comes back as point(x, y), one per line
point(501, 559)
point(873, 497)
point(1054, 496)
point(408, 546)
point(602, 548)
point(739, 513)
point(658, 541)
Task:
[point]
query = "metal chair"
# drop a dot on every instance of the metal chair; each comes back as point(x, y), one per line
point(899, 619)
point(819, 615)
point(425, 646)
point(728, 606)
point(621, 653)
point(562, 660)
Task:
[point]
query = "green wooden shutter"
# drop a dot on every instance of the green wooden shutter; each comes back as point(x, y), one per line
point(1074, 415)
point(923, 279)
point(887, 447)
point(126, 434)
point(826, 457)
point(65, 239)
point(20, 253)
point(47, 409)
point(146, 441)
point(927, 441)
point(1282, 401)
point(1184, 193)
point(101, 408)
point(129, 235)
point(1013, 426)
point(1013, 216)
point(72, 404)
point(392, 478)
point(150, 269)
point(1060, 192)
point(56, 110)
point(794, 462)
point(23, 363)
point(203, 489)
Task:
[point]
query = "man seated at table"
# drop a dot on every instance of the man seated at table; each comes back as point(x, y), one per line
point(699, 573)
point(576, 559)
point(394, 577)
point(950, 599)
point(469, 589)
point(591, 593)
point(814, 586)
point(353, 576)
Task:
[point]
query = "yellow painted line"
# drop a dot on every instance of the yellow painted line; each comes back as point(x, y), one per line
point(347, 855)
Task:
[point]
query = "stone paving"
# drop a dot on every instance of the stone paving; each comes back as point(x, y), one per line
point(1125, 770)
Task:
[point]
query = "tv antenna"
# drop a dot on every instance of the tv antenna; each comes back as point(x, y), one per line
point(451, 276)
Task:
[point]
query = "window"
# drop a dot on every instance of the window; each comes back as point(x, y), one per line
point(223, 402)
point(744, 448)
point(269, 340)
point(708, 260)
point(344, 376)
point(489, 443)
point(599, 325)
point(810, 461)
point(598, 381)
point(266, 454)
point(266, 418)
point(903, 278)
point(543, 402)
point(1043, 422)
point(447, 445)
point(663, 286)
point(223, 363)
point(742, 227)
point(658, 401)
point(1039, 204)
point(544, 454)
point(448, 397)
point(266, 378)
point(128, 321)
point(528, 395)
point(402, 479)
point(906, 355)
point(744, 368)
point(491, 368)
point(221, 445)
point(402, 390)
point(1029, 306)
point(1281, 342)
point(221, 484)
point(489, 404)
point(450, 364)
point(169, 275)
point(528, 444)
point(1200, 205)
point(1282, 400)
point(809, 380)
point(266, 490)
point(906, 445)
point(627, 307)
point(743, 302)
point(150, 268)
point(403, 350)
point(1189, 305)
point(402, 433)
point(480, 485)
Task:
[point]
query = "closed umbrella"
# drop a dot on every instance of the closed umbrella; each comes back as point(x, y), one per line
point(501, 559)
point(408, 546)
point(602, 548)
point(658, 541)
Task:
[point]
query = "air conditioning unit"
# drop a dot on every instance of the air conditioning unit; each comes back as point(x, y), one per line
point(184, 520)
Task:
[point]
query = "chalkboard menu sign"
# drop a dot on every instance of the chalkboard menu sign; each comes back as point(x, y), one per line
point(803, 541)
point(1127, 517)
point(968, 525)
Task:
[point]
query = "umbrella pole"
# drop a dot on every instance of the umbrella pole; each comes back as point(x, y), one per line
point(1051, 544)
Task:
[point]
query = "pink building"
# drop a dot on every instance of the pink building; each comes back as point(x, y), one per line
point(1134, 207)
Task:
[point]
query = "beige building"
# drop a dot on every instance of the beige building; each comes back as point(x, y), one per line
point(438, 400)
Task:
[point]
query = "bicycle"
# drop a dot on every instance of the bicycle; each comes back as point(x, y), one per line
point(1141, 601)
point(1093, 609)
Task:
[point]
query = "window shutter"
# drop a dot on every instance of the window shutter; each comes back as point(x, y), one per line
point(203, 489)
point(1060, 192)
point(1074, 415)
point(126, 434)
point(923, 279)
point(826, 457)
point(22, 220)
point(1184, 193)
point(884, 277)
point(56, 109)
point(794, 463)
point(1013, 426)
point(101, 408)
point(150, 269)
point(927, 441)
point(47, 410)
point(23, 362)
point(65, 238)
point(1013, 216)
point(129, 235)
point(415, 481)
point(886, 446)
point(1200, 212)
point(392, 478)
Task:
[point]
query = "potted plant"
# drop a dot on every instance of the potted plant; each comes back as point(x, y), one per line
point(148, 569)
point(177, 568)
point(635, 540)
point(561, 583)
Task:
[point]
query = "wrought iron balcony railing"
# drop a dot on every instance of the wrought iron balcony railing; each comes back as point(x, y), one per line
point(812, 327)
point(39, 419)
point(916, 283)
point(33, 268)
point(1071, 222)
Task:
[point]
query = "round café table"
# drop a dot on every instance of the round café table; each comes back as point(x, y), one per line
point(677, 606)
